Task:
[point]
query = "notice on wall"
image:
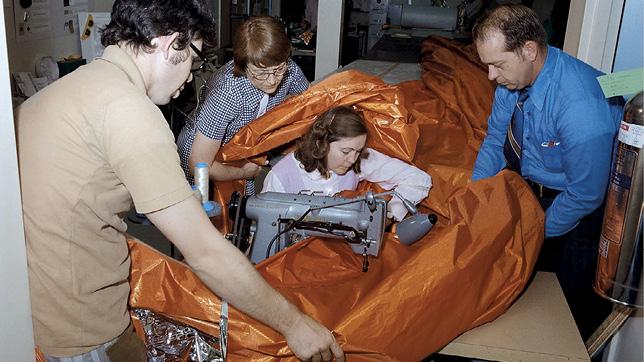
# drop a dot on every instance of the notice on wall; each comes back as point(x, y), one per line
point(622, 83)
point(45, 19)
point(70, 15)
point(33, 22)
point(90, 37)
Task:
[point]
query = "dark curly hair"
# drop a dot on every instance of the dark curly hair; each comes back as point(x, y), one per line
point(261, 41)
point(330, 126)
point(518, 24)
point(137, 22)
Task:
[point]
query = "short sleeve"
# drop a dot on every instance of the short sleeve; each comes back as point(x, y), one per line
point(221, 107)
point(138, 144)
point(299, 82)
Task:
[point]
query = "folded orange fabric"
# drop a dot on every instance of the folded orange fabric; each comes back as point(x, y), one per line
point(414, 299)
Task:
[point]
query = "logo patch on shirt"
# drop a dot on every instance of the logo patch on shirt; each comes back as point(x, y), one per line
point(550, 144)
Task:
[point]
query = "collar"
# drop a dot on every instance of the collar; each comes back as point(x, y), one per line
point(122, 60)
point(315, 175)
point(537, 92)
point(252, 94)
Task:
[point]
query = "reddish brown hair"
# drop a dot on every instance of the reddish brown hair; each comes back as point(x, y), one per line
point(330, 126)
point(261, 41)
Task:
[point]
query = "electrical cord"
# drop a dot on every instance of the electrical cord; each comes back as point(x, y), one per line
point(287, 229)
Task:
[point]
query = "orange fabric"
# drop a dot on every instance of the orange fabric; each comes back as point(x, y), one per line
point(414, 299)
point(391, 129)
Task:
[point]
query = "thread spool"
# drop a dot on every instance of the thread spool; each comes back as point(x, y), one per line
point(202, 179)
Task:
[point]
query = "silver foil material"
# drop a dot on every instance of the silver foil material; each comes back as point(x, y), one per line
point(170, 341)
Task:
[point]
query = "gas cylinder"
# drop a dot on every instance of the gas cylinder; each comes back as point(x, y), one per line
point(619, 265)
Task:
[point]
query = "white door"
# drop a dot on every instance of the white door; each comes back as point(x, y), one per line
point(16, 335)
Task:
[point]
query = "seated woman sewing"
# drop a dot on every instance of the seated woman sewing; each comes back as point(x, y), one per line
point(331, 157)
point(260, 77)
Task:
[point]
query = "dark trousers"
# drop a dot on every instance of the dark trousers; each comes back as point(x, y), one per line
point(573, 258)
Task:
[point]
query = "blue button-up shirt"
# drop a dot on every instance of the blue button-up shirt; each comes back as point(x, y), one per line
point(568, 136)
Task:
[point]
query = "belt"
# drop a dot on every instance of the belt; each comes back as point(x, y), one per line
point(542, 191)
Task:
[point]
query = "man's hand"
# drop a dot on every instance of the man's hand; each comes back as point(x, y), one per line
point(250, 170)
point(310, 341)
point(229, 274)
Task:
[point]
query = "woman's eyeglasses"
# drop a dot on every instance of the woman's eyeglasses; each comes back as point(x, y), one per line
point(199, 63)
point(264, 74)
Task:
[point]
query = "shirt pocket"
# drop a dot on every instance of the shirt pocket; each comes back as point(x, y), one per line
point(552, 156)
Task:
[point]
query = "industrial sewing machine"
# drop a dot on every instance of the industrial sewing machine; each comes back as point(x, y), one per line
point(272, 221)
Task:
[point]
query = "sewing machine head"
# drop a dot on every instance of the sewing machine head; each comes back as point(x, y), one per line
point(272, 221)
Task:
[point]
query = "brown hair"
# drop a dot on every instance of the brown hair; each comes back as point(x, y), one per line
point(517, 23)
point(261, 41)
point(330, 126)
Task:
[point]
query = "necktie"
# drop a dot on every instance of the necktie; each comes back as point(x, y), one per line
point(514, 137)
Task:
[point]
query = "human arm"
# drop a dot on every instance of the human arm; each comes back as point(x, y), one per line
point(227, 272)
point(490, 159)
point(205, 149)
point(220, 108)
point(585, 134)
point(391, 173)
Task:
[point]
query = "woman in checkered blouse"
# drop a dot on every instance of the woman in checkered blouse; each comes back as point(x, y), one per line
point(260, 76)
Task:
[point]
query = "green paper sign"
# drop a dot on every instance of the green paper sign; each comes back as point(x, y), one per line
point(622, 83)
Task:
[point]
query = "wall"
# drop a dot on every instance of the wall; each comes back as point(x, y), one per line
point(23, 55)
point(630, 52)
point(592, 29)
point(16, 336)
point(330, 20)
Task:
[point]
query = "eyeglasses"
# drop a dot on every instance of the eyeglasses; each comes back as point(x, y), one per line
point(198, 64)
point(264, 74)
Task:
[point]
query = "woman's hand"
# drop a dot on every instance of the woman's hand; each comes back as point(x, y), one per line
point(250, 170)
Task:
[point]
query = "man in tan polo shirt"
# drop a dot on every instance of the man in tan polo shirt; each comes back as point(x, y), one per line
point(93, 143)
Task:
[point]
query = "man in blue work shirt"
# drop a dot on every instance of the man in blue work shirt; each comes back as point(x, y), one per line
point(551, 123)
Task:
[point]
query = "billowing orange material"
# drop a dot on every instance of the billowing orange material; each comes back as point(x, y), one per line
point(414, 299)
